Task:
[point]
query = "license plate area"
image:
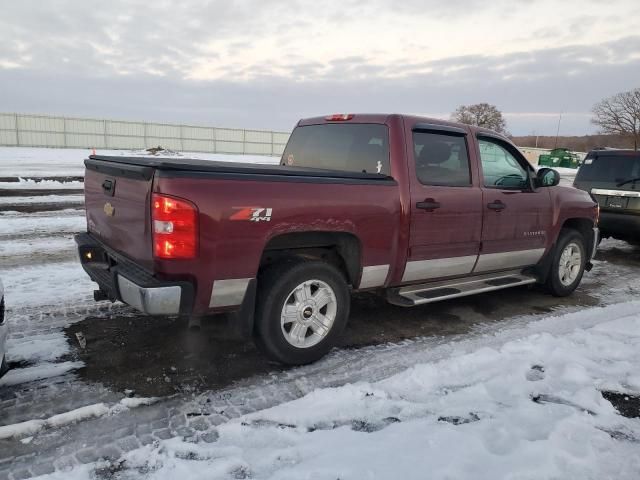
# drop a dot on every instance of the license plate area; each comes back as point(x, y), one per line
point(617, 202)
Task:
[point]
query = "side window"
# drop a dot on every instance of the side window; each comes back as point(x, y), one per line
point(441, 159)
point(500, 168)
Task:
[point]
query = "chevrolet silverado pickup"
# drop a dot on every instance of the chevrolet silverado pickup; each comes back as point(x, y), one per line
point(416, 209)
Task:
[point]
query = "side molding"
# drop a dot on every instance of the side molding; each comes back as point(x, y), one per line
point(438, 268)
point(503, 260)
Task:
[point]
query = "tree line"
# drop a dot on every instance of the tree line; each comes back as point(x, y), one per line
point(617, 118)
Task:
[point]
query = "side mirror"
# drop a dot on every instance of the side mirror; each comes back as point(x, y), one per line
point(547, 177)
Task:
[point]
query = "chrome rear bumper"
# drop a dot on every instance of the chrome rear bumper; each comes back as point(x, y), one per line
point(121, 279)
point(152, 301)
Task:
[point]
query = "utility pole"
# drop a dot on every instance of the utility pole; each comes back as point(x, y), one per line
point(558, 131)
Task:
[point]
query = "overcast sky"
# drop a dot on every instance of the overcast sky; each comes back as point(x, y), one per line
point(265, 64)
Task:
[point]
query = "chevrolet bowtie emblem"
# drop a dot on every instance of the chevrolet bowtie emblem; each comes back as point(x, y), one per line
point(108, 209)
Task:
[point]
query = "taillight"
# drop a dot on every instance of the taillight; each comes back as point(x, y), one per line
point(339, 117)
point(175, 227)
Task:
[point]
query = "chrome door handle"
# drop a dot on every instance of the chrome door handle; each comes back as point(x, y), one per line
point(497, 205)
point(429, 204)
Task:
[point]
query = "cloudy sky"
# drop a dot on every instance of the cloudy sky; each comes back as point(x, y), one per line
point(265, 64)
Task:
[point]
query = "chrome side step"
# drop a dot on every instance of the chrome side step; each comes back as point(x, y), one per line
point(461, 287)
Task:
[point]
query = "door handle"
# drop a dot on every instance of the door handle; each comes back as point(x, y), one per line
point(497, 205)
point(429, 204)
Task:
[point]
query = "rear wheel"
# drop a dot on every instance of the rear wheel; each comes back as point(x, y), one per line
point(302, 308)
point(567, 267)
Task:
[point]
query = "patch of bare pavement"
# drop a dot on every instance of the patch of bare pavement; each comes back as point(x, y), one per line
point(161, 356)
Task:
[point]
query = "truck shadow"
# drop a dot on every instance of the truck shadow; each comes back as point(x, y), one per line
point(160, 356)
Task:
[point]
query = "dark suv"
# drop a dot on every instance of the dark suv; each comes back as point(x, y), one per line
point(613, 178)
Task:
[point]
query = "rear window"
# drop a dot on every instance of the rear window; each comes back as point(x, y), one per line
point(609, 168)
point(362, 148)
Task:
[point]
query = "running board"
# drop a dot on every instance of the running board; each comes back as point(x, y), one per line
point(460, 287)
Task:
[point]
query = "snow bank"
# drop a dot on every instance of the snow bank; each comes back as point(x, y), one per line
point(45, 347)
point(47, 162)
point(37, 246)
point(38, 372)
point(23, 184)
point(31, 427)
point(46, 285)
point(529, 408)
point(54, 199)
point(41, 224)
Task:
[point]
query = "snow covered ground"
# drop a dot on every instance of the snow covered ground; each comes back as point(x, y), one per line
point(517, 398)
point(46, 162)
point(528, 407)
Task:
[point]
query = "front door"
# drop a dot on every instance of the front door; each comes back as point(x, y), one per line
point(446, 204)
point(516, 218)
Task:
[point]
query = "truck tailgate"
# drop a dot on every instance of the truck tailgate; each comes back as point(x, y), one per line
point(118, 205)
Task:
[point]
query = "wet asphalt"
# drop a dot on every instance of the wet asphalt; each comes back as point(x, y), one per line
point(162, 356)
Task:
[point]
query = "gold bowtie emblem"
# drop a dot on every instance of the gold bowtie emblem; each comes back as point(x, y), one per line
point(108, 209)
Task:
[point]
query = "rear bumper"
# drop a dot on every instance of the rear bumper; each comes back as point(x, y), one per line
point(121, 279)
point(622, 225)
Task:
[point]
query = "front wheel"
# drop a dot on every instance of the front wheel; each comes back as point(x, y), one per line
point(567, 267)
point(302, 308)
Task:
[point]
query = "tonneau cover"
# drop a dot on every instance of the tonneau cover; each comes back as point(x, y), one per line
point(194, 165)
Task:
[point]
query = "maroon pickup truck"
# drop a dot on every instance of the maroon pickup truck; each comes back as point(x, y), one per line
point(417, 209)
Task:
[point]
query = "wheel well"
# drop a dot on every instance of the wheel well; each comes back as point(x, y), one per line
point(337, 248)
point(584, 226)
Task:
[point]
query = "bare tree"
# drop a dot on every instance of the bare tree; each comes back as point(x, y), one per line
point(481, 115)
point(619, 114)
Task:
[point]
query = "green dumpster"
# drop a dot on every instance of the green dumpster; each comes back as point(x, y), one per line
point(559, 157)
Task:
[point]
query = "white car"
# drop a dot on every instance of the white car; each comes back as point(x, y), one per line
point(3, 333)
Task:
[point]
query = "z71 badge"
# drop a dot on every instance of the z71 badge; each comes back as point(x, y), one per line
point(252, 214)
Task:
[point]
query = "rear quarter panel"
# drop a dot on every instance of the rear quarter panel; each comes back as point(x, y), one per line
point(231, 249)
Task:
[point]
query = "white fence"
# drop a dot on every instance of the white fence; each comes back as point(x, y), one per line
point(27, 130)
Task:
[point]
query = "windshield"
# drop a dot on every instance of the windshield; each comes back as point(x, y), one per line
point(362, 148)
point(612, 169)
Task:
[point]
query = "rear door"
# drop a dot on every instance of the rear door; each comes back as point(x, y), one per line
point(446, 204)
point(516, 218)
point(118, 207)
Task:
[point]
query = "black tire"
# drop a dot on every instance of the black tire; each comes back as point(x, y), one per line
point(554, 283)
point(275, 286)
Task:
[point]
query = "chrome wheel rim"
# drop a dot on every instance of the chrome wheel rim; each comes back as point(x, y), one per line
point(308, 313)
point(570, 264)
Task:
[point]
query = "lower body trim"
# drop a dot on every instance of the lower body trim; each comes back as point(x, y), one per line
point(438, 268)
point(501, 261)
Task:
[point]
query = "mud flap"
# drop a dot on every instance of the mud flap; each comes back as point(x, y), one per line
point(543, 267)
point(240, 322)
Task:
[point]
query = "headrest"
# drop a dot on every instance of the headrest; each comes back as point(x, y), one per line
point(434, 153)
